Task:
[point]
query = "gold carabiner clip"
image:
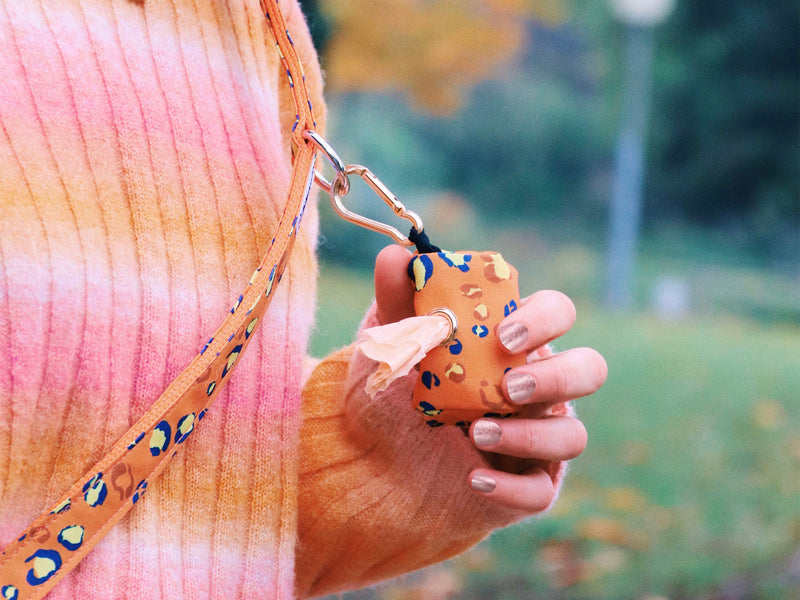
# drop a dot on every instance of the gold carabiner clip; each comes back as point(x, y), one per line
point(340, 186)
point(384, 194)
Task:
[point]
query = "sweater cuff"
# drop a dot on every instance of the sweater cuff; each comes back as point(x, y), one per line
point(381, 493)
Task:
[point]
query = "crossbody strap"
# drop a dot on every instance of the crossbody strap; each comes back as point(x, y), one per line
point(57, 541)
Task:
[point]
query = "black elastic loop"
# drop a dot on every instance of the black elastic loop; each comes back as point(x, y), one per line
point(421, 241)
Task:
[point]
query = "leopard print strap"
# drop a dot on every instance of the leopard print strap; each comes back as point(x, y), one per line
point(56, 541)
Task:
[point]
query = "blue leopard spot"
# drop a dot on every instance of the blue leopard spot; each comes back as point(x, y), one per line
point(429, 380)
point(139, 492)
point(71, 537)
point(9, 592)
point(250, 327)
point(456, 346)
point(233, 356)
point(271, 281)
point(45, 563)
point(62, 508)
point(480, 330)
point(428, 409)
point(138, 439)
point(459, 261)
point(420, 270)
point(434, 423)
point(509, 308)
point(184, 428)
point(160, 438)
point(238, 302)
point(95, 491)
point(211, 387)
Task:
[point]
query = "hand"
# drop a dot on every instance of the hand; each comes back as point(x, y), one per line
point(523, 448)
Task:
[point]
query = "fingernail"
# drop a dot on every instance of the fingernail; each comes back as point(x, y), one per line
point(481, 482)
point(513, 336)
point(486, 433)
point(520, 387)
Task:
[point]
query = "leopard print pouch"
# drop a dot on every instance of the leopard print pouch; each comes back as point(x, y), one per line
point(460, 381)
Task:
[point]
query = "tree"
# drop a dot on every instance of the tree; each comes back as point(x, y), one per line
point(433, 51)
point(727, 116)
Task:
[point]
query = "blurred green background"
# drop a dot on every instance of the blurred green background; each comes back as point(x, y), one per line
point(504, 124)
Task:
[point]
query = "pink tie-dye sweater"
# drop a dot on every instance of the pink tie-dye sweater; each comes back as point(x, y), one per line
point(144, 161)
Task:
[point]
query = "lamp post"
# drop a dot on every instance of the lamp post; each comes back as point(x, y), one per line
point(640, 18)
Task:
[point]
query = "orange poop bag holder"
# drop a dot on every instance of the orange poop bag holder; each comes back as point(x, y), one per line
point(459, 299)
point(460, 381)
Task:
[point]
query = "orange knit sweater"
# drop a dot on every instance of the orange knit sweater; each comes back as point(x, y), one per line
point(143, 165)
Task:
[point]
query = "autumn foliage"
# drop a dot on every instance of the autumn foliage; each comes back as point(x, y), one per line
point(433, 51)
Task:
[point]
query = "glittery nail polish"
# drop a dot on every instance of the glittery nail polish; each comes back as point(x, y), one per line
point(520, 387)
point(513, 336)
point(486, 433)
point(481, 482)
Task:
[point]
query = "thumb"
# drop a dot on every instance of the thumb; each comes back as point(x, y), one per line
point(394, 293)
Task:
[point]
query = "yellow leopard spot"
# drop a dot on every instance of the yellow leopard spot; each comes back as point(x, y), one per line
point(42, 567)
point(421, 273)
point(71, 537)
point(251, 326)
point(470, 290)
point(95, 494)
point(481, 312)
point(158, 439)
point(73, 534)
point(497, 269)
point(455, 372)
point(62, 506)
point(455, 259)
point(186, 425)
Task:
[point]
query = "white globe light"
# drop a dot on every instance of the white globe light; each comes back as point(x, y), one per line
point(643, 13)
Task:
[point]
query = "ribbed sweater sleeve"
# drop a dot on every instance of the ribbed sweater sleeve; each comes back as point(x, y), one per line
point(144, 162)
point(381, 493)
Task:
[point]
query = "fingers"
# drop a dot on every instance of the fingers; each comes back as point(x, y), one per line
point(550, 438)
point(543, 317)
point(564, 376)
point(394, 293)
point(532, 492)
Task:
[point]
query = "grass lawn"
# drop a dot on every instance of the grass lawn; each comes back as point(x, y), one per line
point(690, 485)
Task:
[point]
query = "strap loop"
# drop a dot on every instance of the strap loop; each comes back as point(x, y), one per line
point(420, 239)
point(333, 158)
